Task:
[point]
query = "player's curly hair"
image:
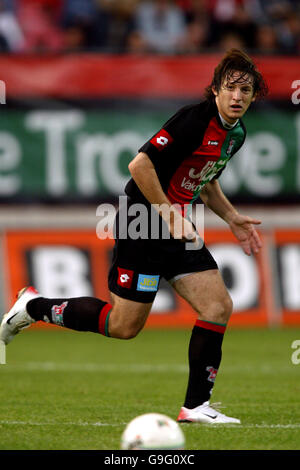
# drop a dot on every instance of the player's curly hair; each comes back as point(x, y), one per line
point(237, 60)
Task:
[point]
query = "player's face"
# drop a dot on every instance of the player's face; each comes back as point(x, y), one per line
point(235, 96)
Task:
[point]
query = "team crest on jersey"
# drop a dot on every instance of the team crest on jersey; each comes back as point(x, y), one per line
point(230, 146)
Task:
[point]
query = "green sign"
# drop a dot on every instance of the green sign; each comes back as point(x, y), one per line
point(81, 153)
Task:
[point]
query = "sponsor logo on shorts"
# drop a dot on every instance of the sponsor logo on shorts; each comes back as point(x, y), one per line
point(125, 277)
point(147, 283)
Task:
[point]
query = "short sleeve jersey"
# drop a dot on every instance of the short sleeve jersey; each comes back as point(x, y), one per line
point(191, 149)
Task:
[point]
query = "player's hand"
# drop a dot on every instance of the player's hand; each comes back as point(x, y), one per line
point(182, 229)
point(242, 227)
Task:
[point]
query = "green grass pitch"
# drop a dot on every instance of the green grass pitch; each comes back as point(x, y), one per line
point(64, 390)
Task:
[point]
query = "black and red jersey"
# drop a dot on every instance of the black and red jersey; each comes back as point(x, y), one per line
point(190, 149)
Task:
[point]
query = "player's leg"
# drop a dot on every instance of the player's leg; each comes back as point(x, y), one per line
point(127, 317)
point(206, 293)
point(123, 319)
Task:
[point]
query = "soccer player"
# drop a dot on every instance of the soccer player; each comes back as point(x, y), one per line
point(182, 161)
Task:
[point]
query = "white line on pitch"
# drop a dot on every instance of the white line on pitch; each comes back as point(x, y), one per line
point(138, 368)
point(31, 423)
point(94, 367)
point(239, 426)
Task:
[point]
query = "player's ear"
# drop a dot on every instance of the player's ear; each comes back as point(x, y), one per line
point(213, 89)
point(253, 97)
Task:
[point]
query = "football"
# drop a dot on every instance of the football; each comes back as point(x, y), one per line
point(152, 431)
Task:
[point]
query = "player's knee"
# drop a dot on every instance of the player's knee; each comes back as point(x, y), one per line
point(126, 329)
point(225, 308)
point(129, 332)
point(221, 310)
point(122, 327)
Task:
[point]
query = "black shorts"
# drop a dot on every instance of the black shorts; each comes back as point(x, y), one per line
point(138, 266)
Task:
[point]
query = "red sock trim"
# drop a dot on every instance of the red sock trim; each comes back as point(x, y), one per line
point(211, 326)
point(102, 319)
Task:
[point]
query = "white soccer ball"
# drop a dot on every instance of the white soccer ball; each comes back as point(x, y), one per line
point(152, 431)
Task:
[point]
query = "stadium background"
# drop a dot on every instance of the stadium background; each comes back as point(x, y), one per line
point(87, 82)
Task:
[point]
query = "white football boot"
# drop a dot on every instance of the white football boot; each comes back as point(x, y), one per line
point(17, 318)
point(205, 414)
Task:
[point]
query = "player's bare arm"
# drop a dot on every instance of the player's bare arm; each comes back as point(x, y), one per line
point(242, 226)
point(144, 174)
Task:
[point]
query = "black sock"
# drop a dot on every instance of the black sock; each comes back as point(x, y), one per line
point(205, 353)
point(79, 313)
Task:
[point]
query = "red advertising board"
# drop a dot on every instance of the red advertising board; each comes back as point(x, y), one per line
point(70, 263)
point(96, 75)
point(287, 243)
